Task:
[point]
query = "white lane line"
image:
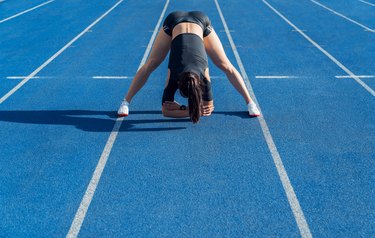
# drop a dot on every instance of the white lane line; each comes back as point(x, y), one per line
point(275, 77)
point(352, 75)
point(111, 77)
point(359, 76)
point(368, 3)
point(29, 10)
point(341, 15)
point(288, 188)
point(89, 194)
point(21, 77)
point(18, 86)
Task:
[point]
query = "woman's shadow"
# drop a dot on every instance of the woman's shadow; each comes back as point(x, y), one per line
point(98, 121)
point(89, 120)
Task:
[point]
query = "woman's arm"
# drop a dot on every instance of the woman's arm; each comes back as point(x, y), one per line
point(207, 108)
point(172, 109)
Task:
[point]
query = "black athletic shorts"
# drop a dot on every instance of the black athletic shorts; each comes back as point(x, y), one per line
point(197, 17)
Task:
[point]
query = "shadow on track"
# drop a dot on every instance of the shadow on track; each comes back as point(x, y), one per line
point(241, 114)
point(99, 121)
point(88, 120)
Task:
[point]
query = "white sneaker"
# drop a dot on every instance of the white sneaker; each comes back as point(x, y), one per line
point(123, 111)
point(253, 109)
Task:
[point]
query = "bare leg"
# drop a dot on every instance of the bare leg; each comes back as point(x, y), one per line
point(216, 52)
point(158, 53)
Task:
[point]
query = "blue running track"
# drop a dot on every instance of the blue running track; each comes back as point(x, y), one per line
point(306, 168)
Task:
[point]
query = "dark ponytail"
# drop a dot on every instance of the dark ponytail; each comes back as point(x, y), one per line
point(190, 86)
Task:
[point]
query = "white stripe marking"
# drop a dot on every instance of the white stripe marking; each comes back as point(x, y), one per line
point(368, 3)
point(111, 77)
point(347, 18)
point(21, 77)
point(359, 76)
point(89, 194)
point(352, 75)
point(288, 188)
point(275, 77)
point(29, 10)
point(18, 86)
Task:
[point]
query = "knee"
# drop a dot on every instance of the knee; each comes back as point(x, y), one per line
point(163, 111)
point(151, 65)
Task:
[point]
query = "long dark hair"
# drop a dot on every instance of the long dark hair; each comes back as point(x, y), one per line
point(189, 84)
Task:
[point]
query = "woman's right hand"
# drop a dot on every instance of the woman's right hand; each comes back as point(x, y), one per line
point(207, 108)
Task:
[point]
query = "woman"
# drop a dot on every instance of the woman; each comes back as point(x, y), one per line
point(190, 37)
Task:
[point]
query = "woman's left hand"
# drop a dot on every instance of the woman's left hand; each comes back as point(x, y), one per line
point(171, 105)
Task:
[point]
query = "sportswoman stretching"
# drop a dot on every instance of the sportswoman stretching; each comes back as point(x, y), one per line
point(189, 35)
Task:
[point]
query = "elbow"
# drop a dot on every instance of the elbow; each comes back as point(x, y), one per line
point(165, 112)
